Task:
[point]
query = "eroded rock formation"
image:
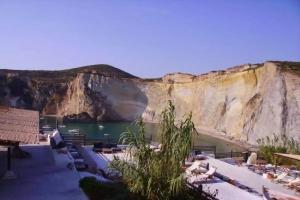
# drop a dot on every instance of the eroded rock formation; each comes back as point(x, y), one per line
point(244, 102)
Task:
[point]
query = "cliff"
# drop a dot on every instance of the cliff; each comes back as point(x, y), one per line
point(244, 102)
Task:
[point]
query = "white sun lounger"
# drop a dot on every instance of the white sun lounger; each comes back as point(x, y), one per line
point(295, 182)
point(280, 177)
point(194, 166)
point(202, 177)
point(272, 194)
point(99, 178)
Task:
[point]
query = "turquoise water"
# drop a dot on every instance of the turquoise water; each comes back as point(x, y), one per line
point(114, 129)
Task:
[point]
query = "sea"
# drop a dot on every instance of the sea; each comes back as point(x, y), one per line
point(112, 131)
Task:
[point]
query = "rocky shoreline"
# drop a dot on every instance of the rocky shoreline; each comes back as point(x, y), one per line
point(229, 139)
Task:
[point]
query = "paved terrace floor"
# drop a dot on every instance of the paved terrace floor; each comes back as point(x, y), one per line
point(226, 190)
point(40, 177)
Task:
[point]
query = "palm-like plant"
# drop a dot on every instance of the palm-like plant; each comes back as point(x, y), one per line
point(157, 174)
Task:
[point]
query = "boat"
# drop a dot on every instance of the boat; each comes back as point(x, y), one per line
point(272, 194)
point(47, 127)
point(73, 131)
point(62, 126)
point(101, 126)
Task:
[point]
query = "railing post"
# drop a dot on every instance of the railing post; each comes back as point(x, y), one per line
point(231, 153)
point(215, 151)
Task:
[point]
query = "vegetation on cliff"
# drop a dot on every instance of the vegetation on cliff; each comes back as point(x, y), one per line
point(67, 74)
point(292, 67)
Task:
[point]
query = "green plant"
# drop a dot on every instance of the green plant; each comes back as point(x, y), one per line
point(158, 174)
point(96, 190)
point(277, 144)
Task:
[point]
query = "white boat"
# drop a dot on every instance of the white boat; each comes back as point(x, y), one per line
point(47, 127)
point(73, 131)
point(62, 126)
point(101, 127)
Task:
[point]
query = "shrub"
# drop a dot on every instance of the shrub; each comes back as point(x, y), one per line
point(96, 190)
point(277, 144)
point(158, 174)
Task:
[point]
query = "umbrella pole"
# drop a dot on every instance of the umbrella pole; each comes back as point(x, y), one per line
point(9, 174)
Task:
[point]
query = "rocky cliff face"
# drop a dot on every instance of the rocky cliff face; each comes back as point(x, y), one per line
point(244, 102)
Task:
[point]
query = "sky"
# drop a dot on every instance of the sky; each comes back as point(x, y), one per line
point(147, 38)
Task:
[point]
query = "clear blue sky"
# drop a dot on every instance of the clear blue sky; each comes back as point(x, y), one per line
point(148, 38)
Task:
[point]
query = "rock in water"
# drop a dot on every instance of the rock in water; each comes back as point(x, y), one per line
point(79, 118)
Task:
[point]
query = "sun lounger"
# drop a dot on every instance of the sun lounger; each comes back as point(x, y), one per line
point(293, 183)
point(78, 160)
point(271, 194)
point(106, 148)
point(280, 177)
point(194, 166)
point(203, 177)
point(80, 166)
point(92, 165)
point(98, 177)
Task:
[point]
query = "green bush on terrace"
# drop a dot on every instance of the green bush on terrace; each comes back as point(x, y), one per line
point(104, 191)
point(280, 143)
point(158, 175)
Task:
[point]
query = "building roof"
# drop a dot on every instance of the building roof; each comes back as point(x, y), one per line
point(19, 125)
point(291, 156)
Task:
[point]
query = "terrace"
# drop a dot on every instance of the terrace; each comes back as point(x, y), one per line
point(32, 170)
